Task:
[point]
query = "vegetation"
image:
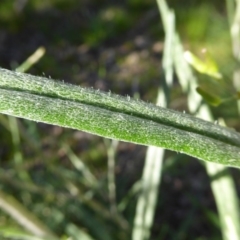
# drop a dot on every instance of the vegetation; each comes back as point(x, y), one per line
point(60, 183)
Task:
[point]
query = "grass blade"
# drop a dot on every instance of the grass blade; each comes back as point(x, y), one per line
point(111, 146)
point(151, 177)
point(24, 217)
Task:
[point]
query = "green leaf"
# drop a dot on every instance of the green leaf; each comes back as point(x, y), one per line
point(208, 67)
point(209, 97)
point(108, 115)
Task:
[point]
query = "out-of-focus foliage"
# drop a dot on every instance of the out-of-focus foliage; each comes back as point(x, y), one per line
point(60, 175)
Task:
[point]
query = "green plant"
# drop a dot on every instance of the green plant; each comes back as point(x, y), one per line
point(50, 191)
point(112, 116)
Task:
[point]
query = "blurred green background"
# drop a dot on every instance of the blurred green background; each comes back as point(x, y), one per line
point(60, 175)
